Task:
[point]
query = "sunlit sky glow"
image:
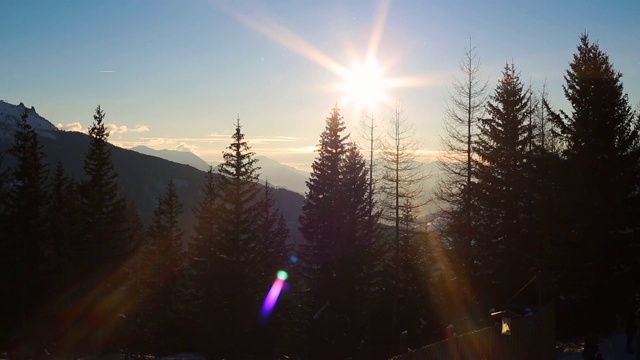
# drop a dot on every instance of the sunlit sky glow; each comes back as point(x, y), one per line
point(175, 74)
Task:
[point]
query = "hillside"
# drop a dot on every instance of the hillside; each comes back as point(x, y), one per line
point(141, 177)
point(180, 157)
point(278, 175)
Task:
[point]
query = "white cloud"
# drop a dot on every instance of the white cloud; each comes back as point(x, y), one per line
point(140, 128)
point(115, 129)
point(75, 126)
point(186, 147)
point(111, 128)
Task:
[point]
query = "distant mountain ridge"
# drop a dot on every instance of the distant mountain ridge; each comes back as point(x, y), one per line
point(180, 157)
point(278, 174)
point(281, 175)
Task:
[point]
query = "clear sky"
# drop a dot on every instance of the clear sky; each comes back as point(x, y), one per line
point(175, 74)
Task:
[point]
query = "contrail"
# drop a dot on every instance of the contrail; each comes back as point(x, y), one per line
point(106, 71)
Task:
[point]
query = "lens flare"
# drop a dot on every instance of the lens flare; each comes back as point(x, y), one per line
point(272, 297)
point(282, 275)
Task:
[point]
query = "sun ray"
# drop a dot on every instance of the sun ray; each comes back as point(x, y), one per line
point(363, 84)
point(376, 33)
point(290, 40)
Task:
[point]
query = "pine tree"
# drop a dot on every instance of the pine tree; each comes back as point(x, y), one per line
point(102, 205)
point(6, 276)
point(63, 225)
point(601, 150)
point(503, 239)
point(163, 249)
point(412, 277)
point(321, 226)
point(200, 259)
point(27, 247)
point(271, 234)
point(320, 222)
point(239, 264)
point(4, 179)
point(357, 207)
point(336, 224)
point(362, 240)
point(107, 241)
point(272, 231)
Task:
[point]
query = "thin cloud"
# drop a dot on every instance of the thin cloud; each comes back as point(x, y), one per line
point(121, 129)
point(140, 128)
point(106, 71)
point(272, 139)
point(111, 128)
point(430, 155)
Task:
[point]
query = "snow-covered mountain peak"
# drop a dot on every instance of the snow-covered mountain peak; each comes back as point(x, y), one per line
point(10, 114)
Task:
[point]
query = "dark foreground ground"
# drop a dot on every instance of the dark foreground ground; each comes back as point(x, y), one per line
point(612, 348)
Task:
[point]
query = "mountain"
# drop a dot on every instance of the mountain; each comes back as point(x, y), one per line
point(281, 175)
point(141, 177)
point(278, 174)
point(180, 157)
point(11, 114)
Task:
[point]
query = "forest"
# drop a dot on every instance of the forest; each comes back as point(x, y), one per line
point(536, 204)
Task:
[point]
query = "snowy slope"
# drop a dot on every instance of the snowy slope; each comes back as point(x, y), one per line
point(10, 114)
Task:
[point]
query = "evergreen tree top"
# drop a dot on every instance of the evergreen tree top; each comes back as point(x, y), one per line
point(30, 173)
point(238, 159)
point(599, 105)
point(97, 129)
point(330, 139)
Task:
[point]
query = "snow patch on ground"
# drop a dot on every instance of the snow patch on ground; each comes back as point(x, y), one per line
point(611, 348)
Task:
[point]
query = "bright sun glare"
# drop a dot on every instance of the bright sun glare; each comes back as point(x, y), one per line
point(364, 85)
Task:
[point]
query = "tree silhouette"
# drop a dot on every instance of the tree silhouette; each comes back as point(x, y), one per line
point(164, 264)
point(107, 241)
point(501, 191)
point(64, 228)
point(401, 187)
point(27, 249)
point(240, 268)
point(600, 137)
point(465, 106)
point(336, 224)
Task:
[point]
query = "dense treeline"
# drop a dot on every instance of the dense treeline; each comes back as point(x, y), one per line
point(548, 195)
point(528, 192)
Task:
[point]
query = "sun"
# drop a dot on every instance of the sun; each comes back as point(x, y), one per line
point(364, 85)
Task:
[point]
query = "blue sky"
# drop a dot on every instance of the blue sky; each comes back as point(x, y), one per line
point(175, 74)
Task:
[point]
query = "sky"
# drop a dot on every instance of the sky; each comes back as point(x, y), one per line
point(175, 74)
